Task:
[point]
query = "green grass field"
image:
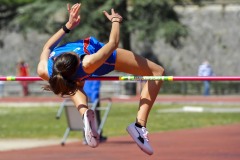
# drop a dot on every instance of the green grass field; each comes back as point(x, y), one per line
point(40, 122)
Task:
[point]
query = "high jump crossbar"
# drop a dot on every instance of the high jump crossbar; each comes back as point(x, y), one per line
point(137, 78)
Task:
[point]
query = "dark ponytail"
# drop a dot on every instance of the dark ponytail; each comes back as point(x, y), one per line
point(64, 68)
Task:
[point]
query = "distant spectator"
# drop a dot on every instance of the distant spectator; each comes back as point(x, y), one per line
point(23, 71)
point(205, 70)
point(1, 89)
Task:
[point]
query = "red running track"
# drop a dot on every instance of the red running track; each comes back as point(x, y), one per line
point(214, 143)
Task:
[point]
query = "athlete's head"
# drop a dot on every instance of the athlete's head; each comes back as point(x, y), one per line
point(62, 80)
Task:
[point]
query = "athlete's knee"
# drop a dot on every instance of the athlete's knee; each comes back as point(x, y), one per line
point(159, 71)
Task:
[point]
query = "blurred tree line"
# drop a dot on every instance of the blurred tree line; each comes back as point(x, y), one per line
point(150, 19)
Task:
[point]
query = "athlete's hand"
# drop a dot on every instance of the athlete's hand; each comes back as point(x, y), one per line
point(74, 17)
point(113, 17)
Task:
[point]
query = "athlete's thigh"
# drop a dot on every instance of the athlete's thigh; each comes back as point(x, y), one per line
point(131, 63)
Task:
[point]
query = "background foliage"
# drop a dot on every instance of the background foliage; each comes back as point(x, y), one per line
point(149, 18)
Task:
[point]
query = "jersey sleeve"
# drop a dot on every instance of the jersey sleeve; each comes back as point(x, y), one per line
point(97, 44)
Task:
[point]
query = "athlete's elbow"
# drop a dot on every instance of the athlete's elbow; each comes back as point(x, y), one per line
point(88, 65)
point(42, 73)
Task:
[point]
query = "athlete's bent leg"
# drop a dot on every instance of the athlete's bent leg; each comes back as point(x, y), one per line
point(129, 62)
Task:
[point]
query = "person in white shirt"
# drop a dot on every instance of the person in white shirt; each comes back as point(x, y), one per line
point(205, 69)
point(1, 89)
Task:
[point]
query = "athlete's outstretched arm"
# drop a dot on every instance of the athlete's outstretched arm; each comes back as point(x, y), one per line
point(74, 20)
point(94, 61)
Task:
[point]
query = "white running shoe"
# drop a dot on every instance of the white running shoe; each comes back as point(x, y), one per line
point(90, 128)
point(140, 136)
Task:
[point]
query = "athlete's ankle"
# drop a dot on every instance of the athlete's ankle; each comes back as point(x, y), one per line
point(138, 125)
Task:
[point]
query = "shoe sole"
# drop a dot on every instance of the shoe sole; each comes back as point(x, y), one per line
point(136, 140)
point(91, 135)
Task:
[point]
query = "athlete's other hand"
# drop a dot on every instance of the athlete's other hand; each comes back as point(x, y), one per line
point(74, 17)
point(113, 16)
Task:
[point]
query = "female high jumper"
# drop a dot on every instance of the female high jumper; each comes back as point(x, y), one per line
point(66, 67)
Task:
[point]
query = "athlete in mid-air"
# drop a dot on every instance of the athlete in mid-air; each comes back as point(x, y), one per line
point(66, 67)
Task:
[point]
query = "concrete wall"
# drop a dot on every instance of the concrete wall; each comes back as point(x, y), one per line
point(214, 34)
point(18, 46)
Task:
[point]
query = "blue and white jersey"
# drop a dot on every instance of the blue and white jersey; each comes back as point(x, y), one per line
point(87, 46)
